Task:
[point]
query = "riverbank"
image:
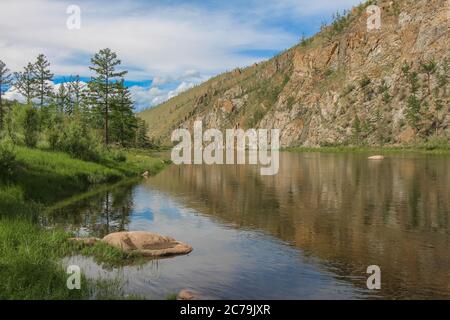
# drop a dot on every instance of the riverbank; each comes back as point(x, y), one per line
point(424, 149)
point(30, 257)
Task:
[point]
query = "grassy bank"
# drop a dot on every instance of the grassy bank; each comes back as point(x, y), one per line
point(47, 177)
point(30, 257)
point(442, 148)
point(371, 150)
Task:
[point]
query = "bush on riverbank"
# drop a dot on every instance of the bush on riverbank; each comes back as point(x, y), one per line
point(7, 159)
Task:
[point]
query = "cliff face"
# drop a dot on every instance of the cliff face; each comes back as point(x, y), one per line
point(346, 85)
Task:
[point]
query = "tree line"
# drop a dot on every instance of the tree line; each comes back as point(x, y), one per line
point(99, 111)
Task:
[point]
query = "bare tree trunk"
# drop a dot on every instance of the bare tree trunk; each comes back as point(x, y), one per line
point(106, 113)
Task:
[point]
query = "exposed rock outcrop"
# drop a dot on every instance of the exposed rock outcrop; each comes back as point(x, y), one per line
point(346, 85)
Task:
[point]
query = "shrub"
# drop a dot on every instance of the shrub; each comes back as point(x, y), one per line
point(111, 155)
point(76, 141)
point(7, 159)
point(413, 111)
point(31, 126)
point(436, 143)
point(365, 81)
point(118, 156)
point(53, 137)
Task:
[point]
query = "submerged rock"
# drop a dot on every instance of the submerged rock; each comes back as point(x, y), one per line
point(376, 158)
point(147, 244)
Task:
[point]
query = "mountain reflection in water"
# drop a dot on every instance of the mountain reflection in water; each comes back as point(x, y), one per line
point(309, 232)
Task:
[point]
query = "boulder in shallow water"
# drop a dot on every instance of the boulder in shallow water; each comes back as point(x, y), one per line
point(147, 244)
point(376, 158)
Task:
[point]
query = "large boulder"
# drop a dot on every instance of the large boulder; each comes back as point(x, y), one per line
point(146, 244)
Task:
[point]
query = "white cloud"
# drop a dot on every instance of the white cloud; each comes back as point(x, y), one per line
point(12, 94)
point(147, 97)
point(152, 39)
point(182, 42)
point(164, 41)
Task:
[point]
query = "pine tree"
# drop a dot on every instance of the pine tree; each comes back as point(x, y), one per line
point(77, 92)
point(62, 99)
point(26, 83)
point(429, 68)
point(123, 121)
point(356, 130)
point(43, 77)
point(102, 85)
point(413, 113)
point(142, 140)
point(5, 82)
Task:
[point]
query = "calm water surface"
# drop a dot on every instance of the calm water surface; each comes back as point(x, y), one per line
point(309, 232)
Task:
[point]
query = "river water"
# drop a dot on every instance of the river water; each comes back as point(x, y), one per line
point(309, 232)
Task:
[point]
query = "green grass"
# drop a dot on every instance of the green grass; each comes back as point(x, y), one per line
point(30, 256)
point(107, 256)
point(31, 269)
point(29, 263)
point(47, 177)
point(172, 297)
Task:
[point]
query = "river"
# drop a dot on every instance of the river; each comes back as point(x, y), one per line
point(309, 232)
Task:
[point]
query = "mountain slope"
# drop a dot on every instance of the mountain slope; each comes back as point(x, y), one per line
point(346, 85)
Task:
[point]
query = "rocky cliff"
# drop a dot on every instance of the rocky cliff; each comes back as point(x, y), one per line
point(347, 85)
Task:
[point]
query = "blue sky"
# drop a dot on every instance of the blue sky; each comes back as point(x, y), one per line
point(168, 45)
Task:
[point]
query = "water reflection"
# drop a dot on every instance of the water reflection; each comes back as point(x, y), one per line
point(102, 213)
point(334, 215)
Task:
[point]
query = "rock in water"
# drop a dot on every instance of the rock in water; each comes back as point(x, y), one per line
point(188, 295)
point(376, 158)
point(146, 244)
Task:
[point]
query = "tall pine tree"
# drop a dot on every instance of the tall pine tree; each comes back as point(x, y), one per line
point(77, 92)
point(43, 77)
point(123, 121)
point(5, 82)
point(142, 140)
point(62, 99)
point(103, 84)
point(26, 83)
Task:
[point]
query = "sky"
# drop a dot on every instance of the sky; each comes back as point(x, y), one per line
point(167, 46)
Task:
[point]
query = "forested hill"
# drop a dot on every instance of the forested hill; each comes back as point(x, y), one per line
point(347, 85)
